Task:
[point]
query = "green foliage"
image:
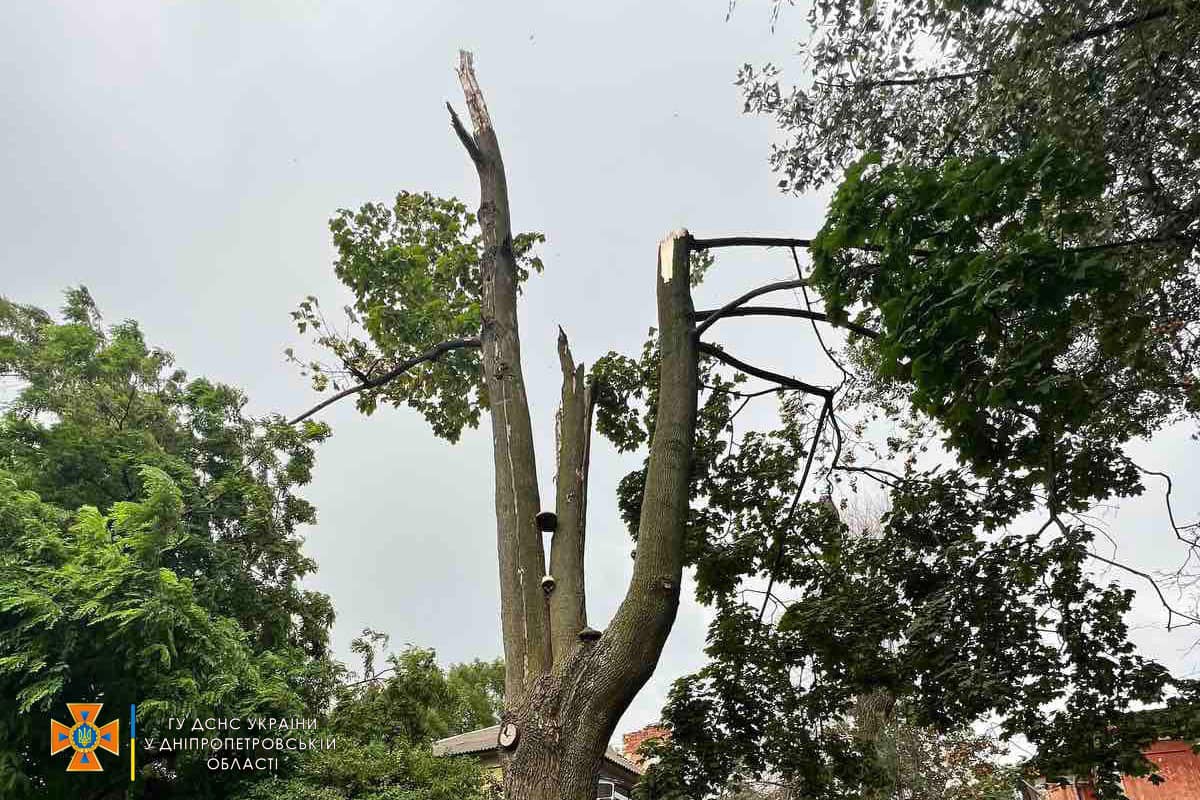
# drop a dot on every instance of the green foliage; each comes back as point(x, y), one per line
point(922, 764)
point(90, 610)
point(701, 262)
point(924, 609)
point(417, 701)
point(903, 759)
point(414, 271)
point(384, 725)
point(149, 547)
point(923, 81)
point(1038, 359)
point(625, 393)
point(1018, 220)
point(150, 554)
point(375, 771)
point(1040, 356)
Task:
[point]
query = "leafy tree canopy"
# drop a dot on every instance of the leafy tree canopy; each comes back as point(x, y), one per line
point(1018, 223)
point(922, 81)
point(384, 725)
point(149, 546)
point(414, 270)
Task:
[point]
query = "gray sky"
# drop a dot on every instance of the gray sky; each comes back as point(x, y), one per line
point(182, 159)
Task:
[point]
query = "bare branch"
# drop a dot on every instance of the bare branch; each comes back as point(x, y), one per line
point(749, 241)
point(713, 316)
point(921, 81)
point(1192, 541)
point(783, 380)
point(1171, 611)
point(432, 354)
point(780, 241)
point(781, 311)
point(377, 676)
point(817, 331)
point(464, 135)
point(1119, 25)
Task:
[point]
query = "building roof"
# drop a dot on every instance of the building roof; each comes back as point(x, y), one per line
point(486, 739)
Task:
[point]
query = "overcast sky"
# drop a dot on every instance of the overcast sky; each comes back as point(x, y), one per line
point(182, 160)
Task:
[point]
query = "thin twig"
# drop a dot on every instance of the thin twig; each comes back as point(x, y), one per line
point(432, 354)
point(781, 534)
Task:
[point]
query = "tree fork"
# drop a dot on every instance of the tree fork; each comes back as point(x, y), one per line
point(569, 715)
point(566, 692)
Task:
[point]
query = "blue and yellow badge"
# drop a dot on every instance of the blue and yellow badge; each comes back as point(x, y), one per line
point(85, 737)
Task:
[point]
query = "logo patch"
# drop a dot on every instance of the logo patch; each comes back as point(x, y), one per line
point(85, 737)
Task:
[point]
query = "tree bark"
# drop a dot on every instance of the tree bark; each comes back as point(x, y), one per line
point(569, 715)
point(568, 599)
point(523, 614)
point(566, 692)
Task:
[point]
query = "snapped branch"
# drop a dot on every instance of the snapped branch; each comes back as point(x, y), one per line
point(520, 551)
point(464, 136)
point(567, 592)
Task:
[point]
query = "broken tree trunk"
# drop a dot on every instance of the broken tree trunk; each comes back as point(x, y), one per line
point(568, 599)
point(568, 716)
point(519, 543)
point(565, 692)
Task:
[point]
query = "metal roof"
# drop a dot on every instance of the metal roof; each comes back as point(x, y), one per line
point(485, 739)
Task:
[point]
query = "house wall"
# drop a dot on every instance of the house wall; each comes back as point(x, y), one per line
point(633, 741)
point(1176, 763)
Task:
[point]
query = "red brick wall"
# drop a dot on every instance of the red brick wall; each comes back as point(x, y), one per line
point(633, 740)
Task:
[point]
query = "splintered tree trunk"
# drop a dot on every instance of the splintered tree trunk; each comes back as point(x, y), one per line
point(523, 612)
point(566, 686)
point(567, 717)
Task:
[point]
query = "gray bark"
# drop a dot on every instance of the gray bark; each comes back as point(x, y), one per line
point(519, 543)
point(568, 600)
point(569, 715)
point(566, 693)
